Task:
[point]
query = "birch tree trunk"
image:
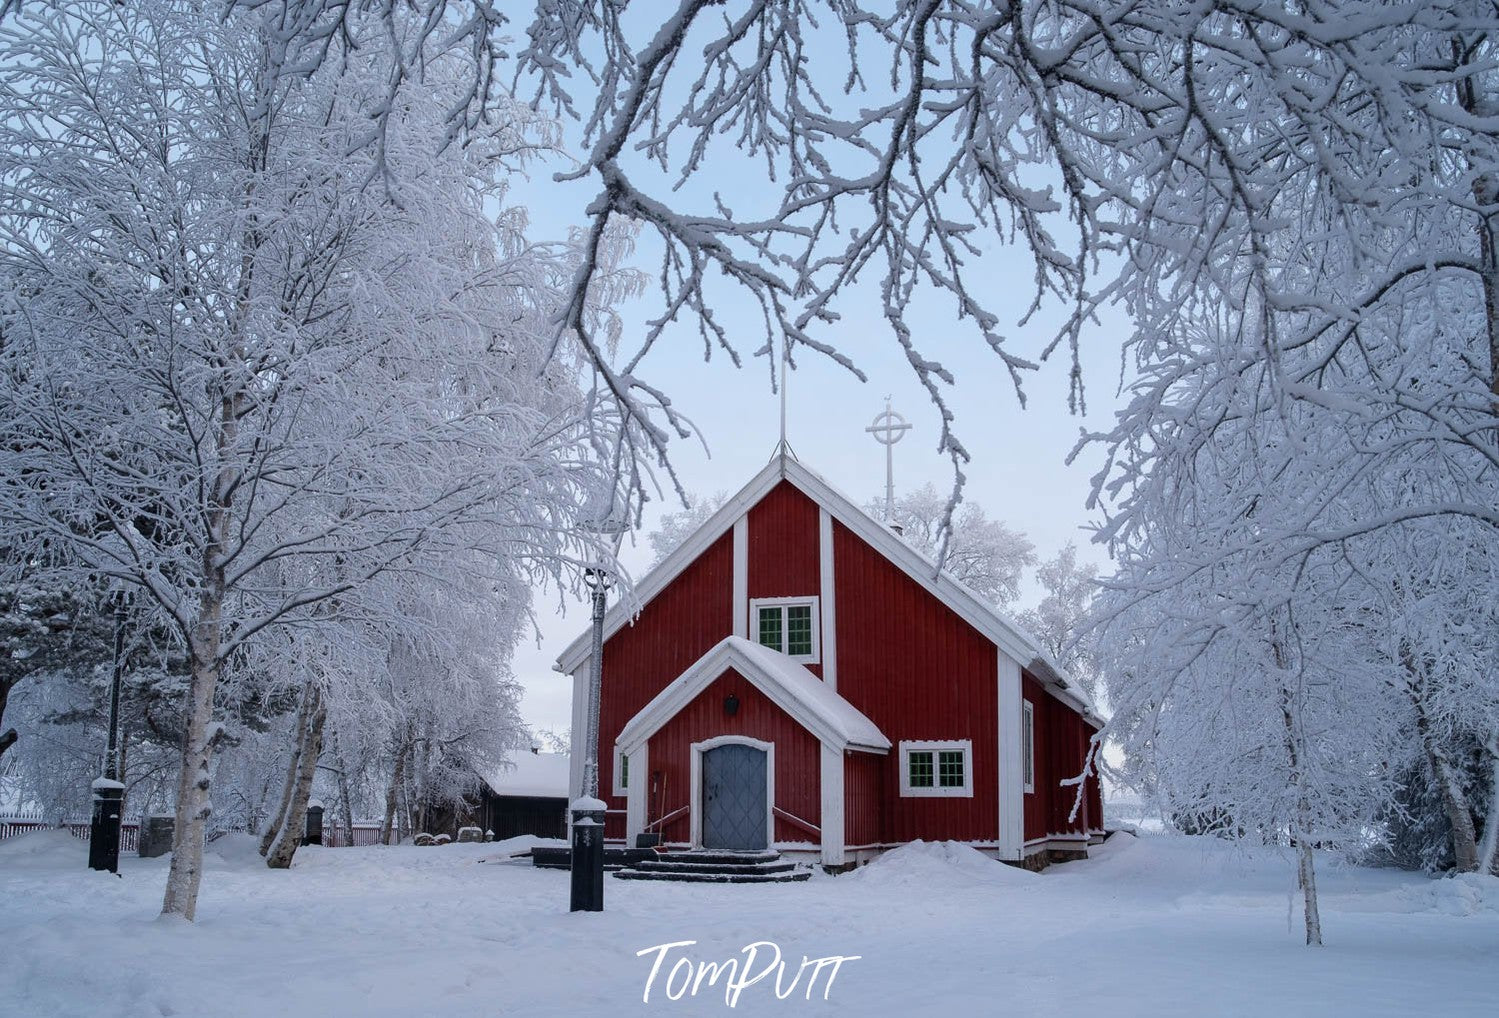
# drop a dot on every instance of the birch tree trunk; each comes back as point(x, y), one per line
point(1306, 876)
point(295, 820)
point(346, 801)
point(1455, 805)
point(193, 781)
point(1306, 871)
point(397, 774)
point(275, 820)
point(1488, 849)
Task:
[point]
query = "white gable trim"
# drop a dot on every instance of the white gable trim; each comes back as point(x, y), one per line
point(999, 629)
point(703, 672)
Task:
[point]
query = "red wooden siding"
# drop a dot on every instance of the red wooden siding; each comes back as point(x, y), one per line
point(1061, 745)
point(784, 560)
point(863, 799)
point(797, 753)
point(918, 671)
point(675, 628)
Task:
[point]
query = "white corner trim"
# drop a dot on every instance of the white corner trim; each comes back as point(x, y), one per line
point(785, 602)
point(695, 810)
point(741, 577)
point(580, 726)
point(638, 796)
point(829, 605)
point(1011, 801)
point(934, 746)
point(831, 821)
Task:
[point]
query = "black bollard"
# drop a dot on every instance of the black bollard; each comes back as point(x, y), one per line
point(104, 828)
point(588, 856)
point(313, 832)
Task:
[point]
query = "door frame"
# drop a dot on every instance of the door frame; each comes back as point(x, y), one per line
point(696, 810)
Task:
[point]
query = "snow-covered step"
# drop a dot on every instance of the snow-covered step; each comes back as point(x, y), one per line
point(716, 868)
point(667, 865)
point(691, 877)
point(711, 856)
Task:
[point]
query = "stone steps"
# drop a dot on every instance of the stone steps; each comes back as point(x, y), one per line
point(681, 876)
point(669, 865)
point(716, 868)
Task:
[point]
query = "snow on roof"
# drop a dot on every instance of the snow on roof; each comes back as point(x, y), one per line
point(531, 775)
point(812, 693)
point(788, 684)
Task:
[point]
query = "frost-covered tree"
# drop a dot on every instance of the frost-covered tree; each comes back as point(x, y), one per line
point(676, 527)
point(219, 387)
point(45, 627)
point(1280, 541)
point(983, 553)
point(1060, 619)
point(1142, 153)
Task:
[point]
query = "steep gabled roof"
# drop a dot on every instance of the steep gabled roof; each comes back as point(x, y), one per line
point(812, 703)
point(999, 628)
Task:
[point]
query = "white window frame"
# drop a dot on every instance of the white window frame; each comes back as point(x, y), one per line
point(620, 788)
point(934, 747)
point(1028, 745)
point(785, 602)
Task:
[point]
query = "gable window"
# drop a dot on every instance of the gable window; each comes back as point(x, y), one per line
point(937, 768)
point(787, 624)
point(1028, 744)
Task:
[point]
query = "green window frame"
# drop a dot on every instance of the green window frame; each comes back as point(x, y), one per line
point(919, 768)
point(940, 768)
point(787, 624)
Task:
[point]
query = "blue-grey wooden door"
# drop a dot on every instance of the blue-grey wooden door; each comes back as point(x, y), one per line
point(734, 807)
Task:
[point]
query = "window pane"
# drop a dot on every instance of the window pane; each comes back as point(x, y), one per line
point(919, 764)
point(770, 627)
point(950, 768)
point(624, 772)
point(799, 629)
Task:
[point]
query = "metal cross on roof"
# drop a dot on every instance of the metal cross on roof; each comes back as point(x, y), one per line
point(887, 429)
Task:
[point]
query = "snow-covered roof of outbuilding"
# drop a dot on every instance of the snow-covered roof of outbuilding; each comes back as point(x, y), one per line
point(529, 775)
point(814, 704)
point(1004, 631)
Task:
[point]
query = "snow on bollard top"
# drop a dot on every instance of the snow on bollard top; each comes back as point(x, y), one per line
point(590, 804)
point(100, 783)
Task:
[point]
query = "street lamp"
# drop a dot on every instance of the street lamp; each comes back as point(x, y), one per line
point(587, 861)
point(109, 791)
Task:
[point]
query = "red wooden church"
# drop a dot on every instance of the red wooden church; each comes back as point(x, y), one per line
point(799, 678)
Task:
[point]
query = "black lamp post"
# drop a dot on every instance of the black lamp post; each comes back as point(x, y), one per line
point(109, 791)
point(587, 859)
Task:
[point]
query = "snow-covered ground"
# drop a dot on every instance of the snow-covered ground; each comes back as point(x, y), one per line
point(1158, 925)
